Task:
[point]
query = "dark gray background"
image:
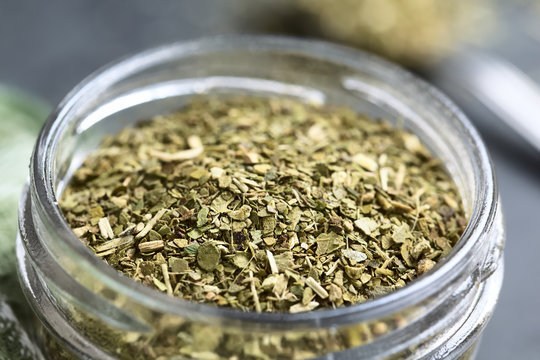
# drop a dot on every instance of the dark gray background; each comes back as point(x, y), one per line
point(47, 47)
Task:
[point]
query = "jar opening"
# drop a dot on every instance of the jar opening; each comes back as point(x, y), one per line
point(137, 85)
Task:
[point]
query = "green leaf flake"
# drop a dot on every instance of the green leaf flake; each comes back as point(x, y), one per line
point(328, 243)
point(208, 256)
point(202, 216)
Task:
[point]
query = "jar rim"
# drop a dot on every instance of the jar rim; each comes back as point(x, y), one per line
point(481, 217)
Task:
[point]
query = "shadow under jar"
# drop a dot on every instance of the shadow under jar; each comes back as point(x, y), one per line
point(88, 310)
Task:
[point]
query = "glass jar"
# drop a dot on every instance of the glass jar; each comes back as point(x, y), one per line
point(93, 312)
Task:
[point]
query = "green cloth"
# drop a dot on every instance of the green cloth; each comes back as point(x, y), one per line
point(21, 117)
point(14, 341)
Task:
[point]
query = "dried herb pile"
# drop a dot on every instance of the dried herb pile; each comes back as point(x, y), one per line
point(265, 205)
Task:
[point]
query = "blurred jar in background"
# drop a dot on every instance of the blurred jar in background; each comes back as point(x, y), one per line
point(411, 32)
